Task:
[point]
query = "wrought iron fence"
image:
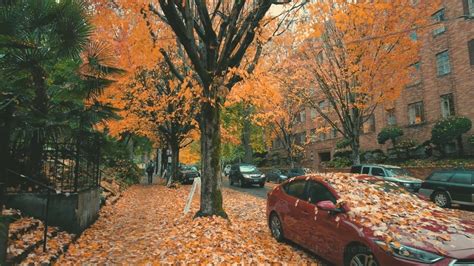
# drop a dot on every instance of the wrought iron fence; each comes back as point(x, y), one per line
point(69, 166)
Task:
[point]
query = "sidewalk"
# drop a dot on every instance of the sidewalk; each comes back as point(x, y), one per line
point(147, 225)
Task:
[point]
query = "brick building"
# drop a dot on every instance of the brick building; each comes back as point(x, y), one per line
point(443, 85)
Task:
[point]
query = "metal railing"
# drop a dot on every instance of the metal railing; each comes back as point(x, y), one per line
point(46, 208)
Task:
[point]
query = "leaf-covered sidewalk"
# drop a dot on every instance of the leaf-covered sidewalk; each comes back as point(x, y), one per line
point(146, 225)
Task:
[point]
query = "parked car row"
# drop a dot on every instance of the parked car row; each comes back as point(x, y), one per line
point(308, 211)
point(442, 187)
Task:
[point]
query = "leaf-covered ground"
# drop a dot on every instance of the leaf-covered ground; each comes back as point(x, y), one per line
point(147, 225)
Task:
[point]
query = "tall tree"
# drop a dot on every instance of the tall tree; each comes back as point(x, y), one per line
point(167, 107)
point(215, 36)
point(358, 56)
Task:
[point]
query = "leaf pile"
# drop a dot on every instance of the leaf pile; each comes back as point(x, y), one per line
point(147, 225)
point(398, 216)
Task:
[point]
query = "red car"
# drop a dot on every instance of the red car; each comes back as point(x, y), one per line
point(359, 220)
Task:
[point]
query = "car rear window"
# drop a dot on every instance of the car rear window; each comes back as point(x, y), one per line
point(356, 169)
point(461, 178)
point(440, 176)
point(296, 189)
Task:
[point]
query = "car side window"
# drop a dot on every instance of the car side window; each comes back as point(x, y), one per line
point(297, 189)
point(318, 192)
point(356, 169)
point(376, 171)
point(461, 178)
point(365, 170)
point(440, 176)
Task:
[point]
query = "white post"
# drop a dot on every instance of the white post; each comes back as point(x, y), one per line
point(158, 167)
point(196, 183)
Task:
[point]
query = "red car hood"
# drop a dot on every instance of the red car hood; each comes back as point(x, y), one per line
point(458, 244)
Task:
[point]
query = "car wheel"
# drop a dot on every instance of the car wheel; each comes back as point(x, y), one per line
point(442, 199)
point(276, 228)
point(242, 183)
point(360, 256)
point(262, 184)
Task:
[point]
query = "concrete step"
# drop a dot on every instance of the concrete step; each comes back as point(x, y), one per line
point(56, 246)
point(24, 244)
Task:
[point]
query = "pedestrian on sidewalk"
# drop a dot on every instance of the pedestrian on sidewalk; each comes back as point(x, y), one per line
point(150, 168)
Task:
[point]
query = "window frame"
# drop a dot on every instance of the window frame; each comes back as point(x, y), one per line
point(443, 63)
point(422, 114)
point(308, 198)
point(458, 173)
point(372, 171)
point(305, 194)
point(451, 109)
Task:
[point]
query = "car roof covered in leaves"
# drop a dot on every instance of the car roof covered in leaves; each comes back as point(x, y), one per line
point(397, 216)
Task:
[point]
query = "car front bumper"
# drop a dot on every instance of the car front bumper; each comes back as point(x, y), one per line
point(254, 180)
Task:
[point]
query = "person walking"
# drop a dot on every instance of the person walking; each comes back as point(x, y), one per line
point(150, 168)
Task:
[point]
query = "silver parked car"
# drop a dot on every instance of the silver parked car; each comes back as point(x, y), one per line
point(390, 173)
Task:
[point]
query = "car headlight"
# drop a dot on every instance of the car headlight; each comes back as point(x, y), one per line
point(409, 253)
point(262, 176)
point(246, 176)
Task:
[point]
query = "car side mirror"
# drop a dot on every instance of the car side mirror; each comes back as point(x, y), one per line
point(327, 205)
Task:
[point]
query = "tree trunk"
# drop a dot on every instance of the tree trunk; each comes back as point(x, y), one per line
point(355, 145)
point(174, 146)
point(211, 196)
point(246, 142)
point(40, 104)
point(290, 157)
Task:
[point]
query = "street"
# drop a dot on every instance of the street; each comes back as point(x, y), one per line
point(253, 190)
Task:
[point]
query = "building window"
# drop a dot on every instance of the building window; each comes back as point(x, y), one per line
point(470, 48)
point(322, 105)
point(322, 136)
point(314, 113)
point(415, 73)
point(312, 135)
point(442, 63)
point(438, 17)
point(333, 133)
point(415, 113)
point(468, 7)
point(391, 119)
point(369, 125)
point(301, 117)
point(447, 105)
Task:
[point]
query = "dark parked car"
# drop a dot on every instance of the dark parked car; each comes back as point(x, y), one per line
point(390, 173)
point(370, 227)
point(297, 172)
point(450, 186)
point(188, 173)
point(246, 174)
point(276, 176)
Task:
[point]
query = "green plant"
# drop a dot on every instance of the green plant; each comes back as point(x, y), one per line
point(470, 139)
point(374, 156)
point(339, 162)
point(389, 133)
point(343, 143)
point(449, 129)
point(343, 154)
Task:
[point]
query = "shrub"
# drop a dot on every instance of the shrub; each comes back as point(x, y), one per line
point(471, 139)
point(343, 143)
point(389, 133)
point(374, 156)
point(449, 129)
point(343, 154)
point(339, 162)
